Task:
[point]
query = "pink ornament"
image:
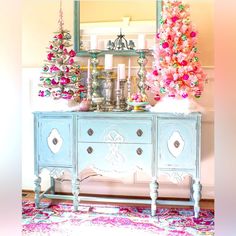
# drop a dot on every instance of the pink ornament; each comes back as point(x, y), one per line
point(185, 77)
point(155, 72)
point(184, 95)
point(165, 45)
point(72, 53)
point(54, 82)
point(64, 80)
point(71, 61)
point(157, 35)
point(193, 34)
point(184, 63)
point(174, 19)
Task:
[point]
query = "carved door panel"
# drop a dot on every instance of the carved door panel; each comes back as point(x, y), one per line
point(176, 143)
point(55, 141)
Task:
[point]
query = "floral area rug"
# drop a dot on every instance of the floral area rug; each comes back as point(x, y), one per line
point(59, 219)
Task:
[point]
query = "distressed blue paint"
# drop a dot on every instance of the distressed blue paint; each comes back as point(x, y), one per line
point(118, 135)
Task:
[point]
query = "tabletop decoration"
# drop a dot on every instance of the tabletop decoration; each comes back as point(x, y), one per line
point(177, 71)
point(60, 76)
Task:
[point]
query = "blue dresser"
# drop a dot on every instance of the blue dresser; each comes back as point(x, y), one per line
point(117, 143)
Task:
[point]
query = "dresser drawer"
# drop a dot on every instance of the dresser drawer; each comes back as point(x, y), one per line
point(114, 157)
point(176, 140)
point(54, 141)
point(114, 130)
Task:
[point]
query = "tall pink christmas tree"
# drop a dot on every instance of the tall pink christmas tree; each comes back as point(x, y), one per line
point(177, 71)
point(60, 77)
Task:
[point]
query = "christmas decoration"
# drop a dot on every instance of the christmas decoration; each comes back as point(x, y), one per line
point(177, 71)
point(60, 77)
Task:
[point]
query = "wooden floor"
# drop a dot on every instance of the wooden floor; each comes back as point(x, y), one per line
point(204, 203)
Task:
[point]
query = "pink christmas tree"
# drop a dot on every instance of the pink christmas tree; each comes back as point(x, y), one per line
point(60, 77)
point(177, 71)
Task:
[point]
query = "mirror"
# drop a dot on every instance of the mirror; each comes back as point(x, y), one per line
point(107, 19)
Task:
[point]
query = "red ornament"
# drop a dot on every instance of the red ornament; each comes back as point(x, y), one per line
point(61, 46)
point(60, 36)
point(155, 72)
point(165, 45)
point(157, 97)
point(72, 53)
point(50, 55)
point(184, 63)
point(51, 47)
point(174, 19)
point(193, 34)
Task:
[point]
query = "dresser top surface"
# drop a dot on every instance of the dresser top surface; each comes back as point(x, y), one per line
point(118, 114)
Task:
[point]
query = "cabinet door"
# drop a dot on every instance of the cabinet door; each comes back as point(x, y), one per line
point(54, 141)
point(176, 143)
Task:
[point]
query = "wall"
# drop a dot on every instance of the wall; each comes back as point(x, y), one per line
point(39, 23)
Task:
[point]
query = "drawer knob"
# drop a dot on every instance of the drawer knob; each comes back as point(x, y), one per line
point(176, 143)
point(55, 141)
point(139, 151)
point(139, 132)
point(89, 150)
point(90, 132)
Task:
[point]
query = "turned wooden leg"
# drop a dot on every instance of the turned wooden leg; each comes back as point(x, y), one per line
point(52, 183)
point(191, 189)
point(196, 197)
point(37, 183)
point(153, 194)
point(75, 192)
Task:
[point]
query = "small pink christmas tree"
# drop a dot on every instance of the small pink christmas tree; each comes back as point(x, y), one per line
point(177, 72)
point(60, 77)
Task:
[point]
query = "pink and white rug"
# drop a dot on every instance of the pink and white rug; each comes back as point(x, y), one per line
point(57, 219)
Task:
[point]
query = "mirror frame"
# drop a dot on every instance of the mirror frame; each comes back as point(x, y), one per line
point(77, 28)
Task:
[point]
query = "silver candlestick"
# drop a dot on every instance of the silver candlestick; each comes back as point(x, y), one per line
point(122, 92)
point(95, 84)
point(108, 86)
point(128, 107)
point(142, 61)
point(94, 73)
point(118, 108)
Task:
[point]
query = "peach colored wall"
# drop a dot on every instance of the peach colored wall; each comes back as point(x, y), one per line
point(39, 23)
